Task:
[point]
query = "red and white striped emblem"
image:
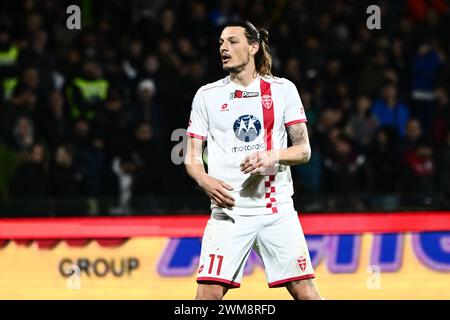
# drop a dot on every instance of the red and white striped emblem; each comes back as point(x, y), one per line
point(267, 101)
point(302, 263)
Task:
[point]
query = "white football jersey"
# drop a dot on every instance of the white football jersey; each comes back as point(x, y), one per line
point(237, 121)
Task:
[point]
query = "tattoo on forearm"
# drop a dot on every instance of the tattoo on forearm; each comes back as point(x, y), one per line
point(297, 134)
point(299, 137)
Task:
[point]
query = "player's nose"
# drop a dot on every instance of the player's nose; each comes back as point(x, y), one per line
point(224, 48)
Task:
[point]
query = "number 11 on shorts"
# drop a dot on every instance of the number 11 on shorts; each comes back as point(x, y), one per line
point(211, 263)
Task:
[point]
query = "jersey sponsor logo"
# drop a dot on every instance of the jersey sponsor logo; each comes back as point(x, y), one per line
point(224, 107)
point(302, 263)
point(267, 101)
point(243, 94)
point(247, 128)
point(251, 147)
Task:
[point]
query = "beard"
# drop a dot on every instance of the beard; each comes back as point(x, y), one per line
point(238, 68)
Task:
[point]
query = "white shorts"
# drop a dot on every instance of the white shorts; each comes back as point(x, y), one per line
point(277, 238)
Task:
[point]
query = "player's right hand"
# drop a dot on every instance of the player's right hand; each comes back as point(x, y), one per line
point(217, 191)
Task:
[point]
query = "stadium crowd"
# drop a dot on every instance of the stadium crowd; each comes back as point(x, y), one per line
point(88, 114)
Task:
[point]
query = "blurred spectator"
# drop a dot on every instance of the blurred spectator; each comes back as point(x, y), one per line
point(87, 92)
point(23, 135)
point(390, 111)
point(425, 67)
point(362, 124)
point(384, 162)
point(30, 184)
point(147, 109)
point(89, 158)
point(186, 54)
point(312, 57)
point(168, 24)
point(372, 75)
point(114, 124)
point(133, 59)
point(33, 21)
point(418, 176)
point(345, 176)
point(27, 92)
point(167, 57)
point(71, 65)
point(55, 124)
point(413, 136)
point(65, 179)
point(150, 68)
point(66, 183)
point(333, 80)
point(124, 168)
point(115, 75)
point(329, 118)
point(148, 180)
point(441, 119)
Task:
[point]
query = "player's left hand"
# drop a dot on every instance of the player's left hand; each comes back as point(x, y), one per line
point(261, 162)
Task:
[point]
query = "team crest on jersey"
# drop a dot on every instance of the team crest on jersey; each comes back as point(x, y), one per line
point(247, 128)
point(302, 263)
point(243, 94)
point(267, 101)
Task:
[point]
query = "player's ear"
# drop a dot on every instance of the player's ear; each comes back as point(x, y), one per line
point(254, 47)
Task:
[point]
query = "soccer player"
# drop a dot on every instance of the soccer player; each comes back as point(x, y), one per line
point(245, 119)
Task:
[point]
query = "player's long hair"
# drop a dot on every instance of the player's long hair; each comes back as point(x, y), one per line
point(263, 58)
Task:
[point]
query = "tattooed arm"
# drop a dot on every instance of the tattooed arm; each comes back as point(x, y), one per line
point(300, 151)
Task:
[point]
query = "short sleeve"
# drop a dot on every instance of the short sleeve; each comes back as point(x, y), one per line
point(198, 121)
point(294, 111)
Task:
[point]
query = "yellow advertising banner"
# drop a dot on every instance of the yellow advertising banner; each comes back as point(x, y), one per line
point(367, 266)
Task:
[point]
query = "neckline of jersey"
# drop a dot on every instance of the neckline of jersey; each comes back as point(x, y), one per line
point(258, 78)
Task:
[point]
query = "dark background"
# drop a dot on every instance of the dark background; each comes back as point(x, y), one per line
point(86, 116)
